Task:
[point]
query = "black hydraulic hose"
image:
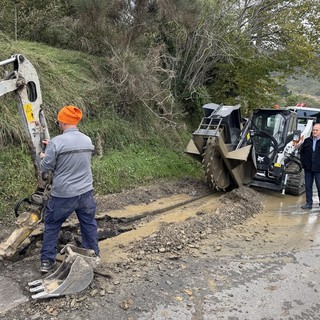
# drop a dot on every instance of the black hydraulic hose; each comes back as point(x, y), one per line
point(293, 159)
point(17, 206)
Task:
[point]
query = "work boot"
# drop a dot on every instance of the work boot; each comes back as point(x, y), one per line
point(306, 206)
point(47, 265)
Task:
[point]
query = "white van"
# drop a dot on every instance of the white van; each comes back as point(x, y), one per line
point(305, 113)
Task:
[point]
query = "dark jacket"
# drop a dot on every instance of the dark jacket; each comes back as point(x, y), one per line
point(310, 159)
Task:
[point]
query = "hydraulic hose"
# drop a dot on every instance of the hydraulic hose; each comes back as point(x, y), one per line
point(292, 159)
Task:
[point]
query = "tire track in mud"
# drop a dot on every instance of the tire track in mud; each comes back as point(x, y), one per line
point(172, 224)
point(147, 219)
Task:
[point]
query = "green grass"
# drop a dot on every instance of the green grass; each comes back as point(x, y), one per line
point(140, 165)
point(113, 172)
point(66, 76)
point(17, 178)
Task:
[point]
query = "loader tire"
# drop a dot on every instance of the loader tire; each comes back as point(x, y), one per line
point(295, 183)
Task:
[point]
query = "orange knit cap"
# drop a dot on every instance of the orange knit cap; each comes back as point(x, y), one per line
point(70, 115)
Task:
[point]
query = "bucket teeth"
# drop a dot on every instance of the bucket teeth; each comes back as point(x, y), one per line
point(74, 275)
point(42, 295)
point(35, 283)
point(37, 289)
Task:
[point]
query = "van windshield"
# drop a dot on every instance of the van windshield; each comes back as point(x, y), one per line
point(307, 113)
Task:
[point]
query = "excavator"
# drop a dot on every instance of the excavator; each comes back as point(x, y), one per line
point(76, 271)
point(262, 151)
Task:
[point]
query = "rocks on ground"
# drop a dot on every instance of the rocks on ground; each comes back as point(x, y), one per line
point(159, 251)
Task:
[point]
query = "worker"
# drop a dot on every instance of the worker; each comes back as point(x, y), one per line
point(68, 158)
point(310, 159)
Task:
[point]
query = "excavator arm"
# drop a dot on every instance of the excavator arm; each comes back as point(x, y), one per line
point(22, 79)
point(76, 271)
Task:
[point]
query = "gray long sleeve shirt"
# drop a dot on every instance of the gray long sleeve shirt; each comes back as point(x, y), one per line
point(68, 157)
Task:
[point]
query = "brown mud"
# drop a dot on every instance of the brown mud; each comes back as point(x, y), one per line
point(139, 230)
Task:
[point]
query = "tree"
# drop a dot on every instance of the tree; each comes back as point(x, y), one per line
point(228, 50)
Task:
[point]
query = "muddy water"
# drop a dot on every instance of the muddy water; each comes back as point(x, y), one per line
point(282, 226)
point(287, 223)
point(267, 269)
point(172, 213)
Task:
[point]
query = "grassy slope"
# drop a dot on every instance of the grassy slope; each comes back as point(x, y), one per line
point(131, 157)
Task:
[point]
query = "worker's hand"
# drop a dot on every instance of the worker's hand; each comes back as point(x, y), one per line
point(45, 141)
point(42, 155)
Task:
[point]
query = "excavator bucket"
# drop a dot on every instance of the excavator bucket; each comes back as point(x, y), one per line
point(74, 274)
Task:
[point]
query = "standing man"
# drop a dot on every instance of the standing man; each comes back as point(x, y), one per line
point(68, 157)
point(310, 159)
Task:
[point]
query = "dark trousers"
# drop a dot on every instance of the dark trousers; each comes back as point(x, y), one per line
point(57, 211)
point(310, 178)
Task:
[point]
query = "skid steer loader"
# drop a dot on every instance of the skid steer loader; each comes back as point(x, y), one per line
point(262, 151)
point(22, 79)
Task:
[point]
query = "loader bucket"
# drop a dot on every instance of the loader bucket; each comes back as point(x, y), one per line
point(74, 274)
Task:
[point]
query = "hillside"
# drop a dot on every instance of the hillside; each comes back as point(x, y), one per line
point(307, 88)
point(129, 151)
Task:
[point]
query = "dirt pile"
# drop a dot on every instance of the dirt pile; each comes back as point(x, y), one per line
point(236, 206)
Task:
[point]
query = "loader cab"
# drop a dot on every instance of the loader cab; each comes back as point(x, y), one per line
point(278, 124)
point(270, 131)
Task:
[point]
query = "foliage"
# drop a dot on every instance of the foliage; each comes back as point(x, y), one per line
point(304, 85)
point(17, 175)
point(153, 145)
point(141, 70)
point(167, 52)
point(137, 81)
point(294, 99)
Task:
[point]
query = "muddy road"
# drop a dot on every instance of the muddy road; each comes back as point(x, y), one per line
point(179, 251)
